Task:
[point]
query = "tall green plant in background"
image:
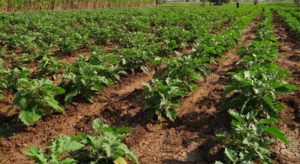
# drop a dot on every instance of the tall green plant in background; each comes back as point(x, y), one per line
point(12, 5)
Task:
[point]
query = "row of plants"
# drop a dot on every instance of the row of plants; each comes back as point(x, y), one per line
point(291, 20)
point(180, 75)
point(253, 106)
point(68, 32)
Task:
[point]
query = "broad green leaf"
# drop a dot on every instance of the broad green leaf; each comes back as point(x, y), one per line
point(59, 90)
point(170, 114)
point(69, 97)
point(144, 69)
point(286, 88)
point(29, 117)
point(230, 154)
point(276, 133)
point(36, 155)
point(267, 121)
point(65, 144)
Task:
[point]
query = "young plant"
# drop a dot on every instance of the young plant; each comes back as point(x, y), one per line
point(68, 43)
point(110, 63)
point(13, 75)
point(162, 97)
point(36, 98)
point(256, 89)
point(258, 53)
point(85, 80)
point(134, 59)
point(244, 143)
point(103, 145)
point(49, 65)
point(186, 68)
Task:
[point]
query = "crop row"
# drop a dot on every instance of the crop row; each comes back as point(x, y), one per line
point(67, 32)
point(291, 19)
point(253, 106)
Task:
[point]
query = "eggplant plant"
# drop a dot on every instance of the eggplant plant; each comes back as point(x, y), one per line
point(245, 143)
point(162, 97)
point(103, 145)
point(49, 65)
point(35, 99)
point(257, 88)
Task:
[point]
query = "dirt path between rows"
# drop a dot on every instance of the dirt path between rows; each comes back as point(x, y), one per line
point(289, 59)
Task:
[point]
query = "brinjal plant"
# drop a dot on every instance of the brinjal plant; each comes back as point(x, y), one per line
point(104, 145)
point(35, 99)
point(244, 142)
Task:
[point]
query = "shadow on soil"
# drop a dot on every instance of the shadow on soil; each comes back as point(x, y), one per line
point(10, 125)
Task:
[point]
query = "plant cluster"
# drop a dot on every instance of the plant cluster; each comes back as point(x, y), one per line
point(103, 145)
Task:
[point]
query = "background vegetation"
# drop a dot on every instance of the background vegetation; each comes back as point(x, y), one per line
point(12, 5)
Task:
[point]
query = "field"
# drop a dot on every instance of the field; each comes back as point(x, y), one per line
point(184, 84)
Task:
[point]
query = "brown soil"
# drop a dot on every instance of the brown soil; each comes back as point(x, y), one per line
point(189, 139)
point(15, 142)
point(290, 117)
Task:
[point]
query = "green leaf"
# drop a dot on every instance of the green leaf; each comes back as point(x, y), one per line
point(267, 121)
point(276, 133)
point(65, 144)
point(69, 97)
point(230, 154)
point(59, 90)
point(29, 117)
point(54, 104)
point(144, 69)
point(68, 161)
point(286, 88)
point(97, 124)
point(157, 61)
point(170, 114)
point(36, 155)
point(235, 115)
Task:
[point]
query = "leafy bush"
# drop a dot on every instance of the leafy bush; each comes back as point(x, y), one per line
point(133, 59)
point(103, 145)
point(36, 98)
point(85, 80)
point(256, 89)
point(245, 143)
point(49, 65)
point(162, 97)
point(13, 75)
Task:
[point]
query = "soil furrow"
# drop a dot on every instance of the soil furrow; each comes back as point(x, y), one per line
point(289, 59)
